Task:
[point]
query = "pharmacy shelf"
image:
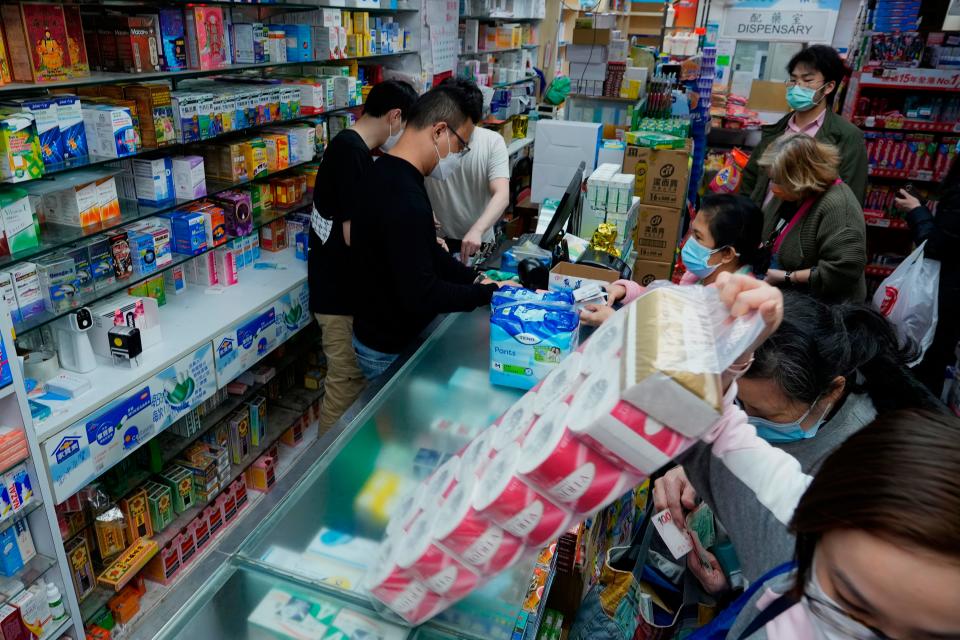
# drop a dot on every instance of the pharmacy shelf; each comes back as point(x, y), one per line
point(88, 162)
point(491, 18)
point(33, 570)
point(56, 236)
point(112, 77)
point(278, 421)
point(34, 504)
point(503, 85)
point(113, 4)
point(57, 631)
point(495, 51)
point(880, 220)
point(187, 321)
point(581, 96)
point(903, 174)
point(905, 124)
point(45, 317)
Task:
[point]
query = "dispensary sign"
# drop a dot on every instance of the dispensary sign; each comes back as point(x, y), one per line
point(780, 25)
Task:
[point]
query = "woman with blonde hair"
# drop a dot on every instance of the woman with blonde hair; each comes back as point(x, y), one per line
point(813, 227)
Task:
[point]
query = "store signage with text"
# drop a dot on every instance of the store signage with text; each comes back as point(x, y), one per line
point(784, 25)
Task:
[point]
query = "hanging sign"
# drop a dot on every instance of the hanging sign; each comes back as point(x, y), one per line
point(779, 25)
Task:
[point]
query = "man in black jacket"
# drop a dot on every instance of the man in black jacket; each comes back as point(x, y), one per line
point(405, 277)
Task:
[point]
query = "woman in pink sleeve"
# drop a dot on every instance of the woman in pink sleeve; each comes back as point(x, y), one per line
point(724, 238)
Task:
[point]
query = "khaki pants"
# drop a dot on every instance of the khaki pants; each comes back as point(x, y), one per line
point(344, 380)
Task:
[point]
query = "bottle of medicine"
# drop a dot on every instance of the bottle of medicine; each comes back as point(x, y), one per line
point(55, 600)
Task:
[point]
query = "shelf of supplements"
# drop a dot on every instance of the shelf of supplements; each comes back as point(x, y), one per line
point(55, 236)
point(114, 77)
point(905, 124)
point(489, 18)
point(172, 444)
point(495, 51)
point(881, 220)
point(34, 504)
point(33, 570)
point(88, 162)
point(188, 321)
point(903, 174)
point(45, 317)
point(99, 596)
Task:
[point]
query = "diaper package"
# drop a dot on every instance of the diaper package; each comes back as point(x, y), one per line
point(530, 333)
point(619, 407)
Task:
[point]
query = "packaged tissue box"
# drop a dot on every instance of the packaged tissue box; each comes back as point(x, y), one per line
point(530, 333)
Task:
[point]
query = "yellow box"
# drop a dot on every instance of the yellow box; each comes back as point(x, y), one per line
point(278, 151)
point(346, 21)
point(255, 156)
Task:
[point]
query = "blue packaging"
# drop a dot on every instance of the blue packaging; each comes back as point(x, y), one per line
point(301, 240)
point(10, 559)
point(44, 111)
point(73, 137)
point(506, 295)
point(528, 339)
point(6, 377)
point(174, 39)
point(299, 42)
point(189, 233)
point(143, 252)
point(515, 255)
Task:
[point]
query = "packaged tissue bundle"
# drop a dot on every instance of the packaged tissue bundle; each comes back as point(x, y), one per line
point(628, 401)
point(529, 337)
point(507, 295)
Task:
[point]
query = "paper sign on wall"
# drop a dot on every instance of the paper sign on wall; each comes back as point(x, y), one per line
point(779, 25)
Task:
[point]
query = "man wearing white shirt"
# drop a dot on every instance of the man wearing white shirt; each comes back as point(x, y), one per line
point(470, 202)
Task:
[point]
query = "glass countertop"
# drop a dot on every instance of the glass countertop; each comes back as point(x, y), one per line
point(324, 531)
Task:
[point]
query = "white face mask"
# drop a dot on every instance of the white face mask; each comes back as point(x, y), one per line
point(827, 617)
point(391, 139)
point(447, 165)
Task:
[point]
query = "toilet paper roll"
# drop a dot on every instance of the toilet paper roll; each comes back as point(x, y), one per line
point(516, 506)
point(478, 542)
point(436, 568)
point(406, 510)
point(621, 432)
point(565, 468)
point(442, 480)
point(603, 347)
point(40, 365)
point(558, 384)
point(477, 455)
point(515, 423)
point(399, 589)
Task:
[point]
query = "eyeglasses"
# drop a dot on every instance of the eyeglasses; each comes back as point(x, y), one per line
point(842, 621)
point(464, 147)
point(803, 83)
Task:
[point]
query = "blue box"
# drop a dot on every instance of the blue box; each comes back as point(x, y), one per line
point(528, 339)
point(143, 251)
point(6, 377)
point(10, 559)
point(44, 111)
point(73, 137)
point(189, 232)
point(299, 42)
point(174, 38)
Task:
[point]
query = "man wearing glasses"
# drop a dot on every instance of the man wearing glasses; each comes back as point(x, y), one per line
point(471, 201)
point(404, 278)
point(815, 76)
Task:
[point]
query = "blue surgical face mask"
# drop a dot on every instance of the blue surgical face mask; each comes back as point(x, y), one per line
point(695, 257)
point(802, 98)
point(778, 432)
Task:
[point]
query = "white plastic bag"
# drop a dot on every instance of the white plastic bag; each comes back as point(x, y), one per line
point(908, 299)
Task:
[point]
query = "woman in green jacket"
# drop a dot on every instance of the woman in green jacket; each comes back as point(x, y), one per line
point(815, 75)
point(813, 225)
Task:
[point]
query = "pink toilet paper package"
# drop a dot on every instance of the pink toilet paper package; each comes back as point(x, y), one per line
point(634, 396)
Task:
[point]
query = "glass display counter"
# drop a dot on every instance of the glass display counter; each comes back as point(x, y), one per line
point(319, 537)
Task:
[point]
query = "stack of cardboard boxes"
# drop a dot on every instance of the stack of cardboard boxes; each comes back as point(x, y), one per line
point(661, 177)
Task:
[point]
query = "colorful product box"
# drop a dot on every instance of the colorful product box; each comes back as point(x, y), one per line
point(155, 109)
point(238, 210)
point(58, 278)
point(81, 263)
point(175, 280)
point(8, 296)
point(142, 252)
point(20, 226)
point(173, 39)
point(76, 45)
point(136, 513)
point(108, 199)
point(202, 270)
point(186, 116)
point(165, 565)
point(255, 154)
point(80, 565)
point(180, 482)
point(215, 224)
point(45, 33)
point(278, 151)
point(162, 243)
point(207, 42)
point(228, 273)
point(10, 560)
point(273, 236)
point(110, 130)
point(26, 288)
point(20, 155)
point(188, 177)
point(19, 486)
point(101, 264)
point(44, 112)
point(153, 180)
point(73, 137)
point(122, 260)
point(76, 206)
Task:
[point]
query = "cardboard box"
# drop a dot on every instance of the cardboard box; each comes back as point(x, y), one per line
point(661, 174)
point(592, 36)
point(646, 271)
point(560, 147)
point(568, 276)
point(657, 233)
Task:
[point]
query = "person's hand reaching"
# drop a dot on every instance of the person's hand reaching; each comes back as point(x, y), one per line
point(674, 492)
point(594, 315)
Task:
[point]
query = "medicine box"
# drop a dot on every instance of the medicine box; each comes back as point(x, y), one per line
point(189, 232)
point(202, 270)
point(238, 212)
point(180, 482)
point(153, 180)
point(165, 565)
point(175, 279)
point(258, 420)
point(162, 242)
point(10, 560)
point(108, 200)
point(136, 512)
point(21, 230)
point(188, 178)
point(226, 265)
point(8, 296)
point(75, 206)
point(214, 519)
point(109, 130)
point(278, 151)
point(243, 43)
point(81, 264)
point(214, 223)
point(80, 566)
point(58, 282)
point(255, 154)
point(26, 288)
point(101, 263)
point(239, 425)
point(142, 252)
point(273, 236)
point(173, 39)
point(24, 540)
point(299, 42)
point(44, 112)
